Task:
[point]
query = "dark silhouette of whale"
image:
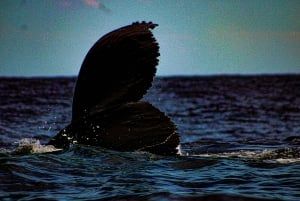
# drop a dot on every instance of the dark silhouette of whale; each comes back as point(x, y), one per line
point(107, 110)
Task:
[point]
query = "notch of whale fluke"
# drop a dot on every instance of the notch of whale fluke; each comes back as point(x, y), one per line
point(107, 111)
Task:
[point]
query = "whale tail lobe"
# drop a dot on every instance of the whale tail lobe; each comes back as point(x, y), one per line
point(119, 68)
point(107, 111)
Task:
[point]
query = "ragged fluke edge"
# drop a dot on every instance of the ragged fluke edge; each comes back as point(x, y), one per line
point(107, 111)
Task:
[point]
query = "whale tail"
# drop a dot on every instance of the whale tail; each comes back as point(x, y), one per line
point(119, 68)
point(135, 126)
point(107, 111)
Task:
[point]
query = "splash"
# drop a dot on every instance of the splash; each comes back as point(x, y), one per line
point(32, 146)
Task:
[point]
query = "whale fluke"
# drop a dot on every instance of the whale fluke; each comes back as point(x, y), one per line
point(131, 127)
point(119, 68)
point(107, 111)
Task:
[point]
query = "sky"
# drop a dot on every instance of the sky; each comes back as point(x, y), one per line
point(196, 37)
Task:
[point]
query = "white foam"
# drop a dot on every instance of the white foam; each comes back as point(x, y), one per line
point(27, 145)
point(178, 148)
point(283, 160)
point(262, 155)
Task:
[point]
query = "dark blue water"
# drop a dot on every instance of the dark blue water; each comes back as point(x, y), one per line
point(226, 124)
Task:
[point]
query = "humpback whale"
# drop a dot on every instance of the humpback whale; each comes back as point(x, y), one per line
point(107, 109)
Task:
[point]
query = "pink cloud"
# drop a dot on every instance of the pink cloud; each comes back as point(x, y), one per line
point(71, 4)
point(92, 3)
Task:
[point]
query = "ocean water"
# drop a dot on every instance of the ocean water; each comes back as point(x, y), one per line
point(240, 139)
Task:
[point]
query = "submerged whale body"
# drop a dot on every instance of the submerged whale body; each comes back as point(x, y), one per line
point(107, 110)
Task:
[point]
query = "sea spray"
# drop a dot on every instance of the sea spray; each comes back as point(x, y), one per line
point(30, 146)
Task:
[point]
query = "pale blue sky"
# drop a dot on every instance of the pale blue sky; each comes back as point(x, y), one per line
point(203, 37)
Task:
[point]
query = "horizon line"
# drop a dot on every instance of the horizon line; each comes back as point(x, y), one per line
point(160, 76)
